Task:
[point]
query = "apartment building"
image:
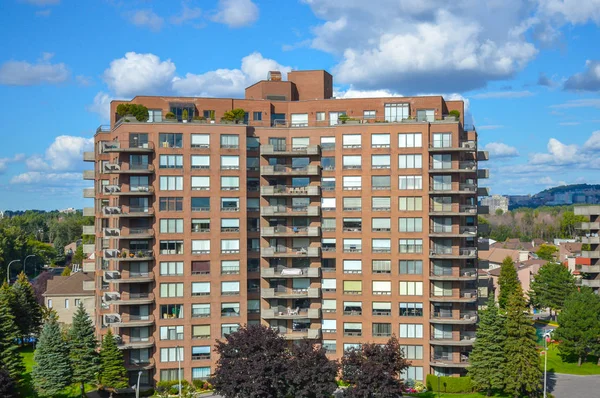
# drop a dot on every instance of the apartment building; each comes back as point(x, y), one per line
point(589, 231)
point(336, 220)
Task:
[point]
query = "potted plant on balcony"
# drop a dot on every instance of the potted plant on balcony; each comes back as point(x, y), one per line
point(170, 117)
point(198, 119)
point(140, 254)
point(233, 116)
point(185, 116)
point(131, 255)
point(123, 254)
point(345, 119)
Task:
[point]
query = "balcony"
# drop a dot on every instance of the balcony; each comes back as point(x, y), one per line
point(290, 334)
point(281, 312)
point(453, 209)
point(590, 269)
point(482, 156)
point(89, 266)
point(464, 146)
point(118, 190)
point(290, 252)
point(285, 211)
point(289, 150)
point(89, 157)
point(447, 361)
point(127, 168)
point(466, 296)
point(121, 277)
point(289, 293)
point(285, 190)
point(127, 298)
point(589, 282)
point(126, 255)
point(456, 167)
point(284, 231)
point(284, 272)
point(483, 173)
point(455, 189)
point(483, 191)
point(126, 147)
point(453, 252)
point(590, 240)
point(447, 317)
point(457, 231)
point(281, 170)
point(89, 175)
point(455, 274)
point(128, 233)
point(89, 230)
point(115, 211)
point(590, 253)
point(134, 343)
point(89, 212)
point(89, 193)
point(138, 365)
point(588, 226)
point(89, 248)
point(129, 321)
point(458, 339)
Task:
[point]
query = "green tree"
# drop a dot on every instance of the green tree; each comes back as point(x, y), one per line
point(522, 374)
point(579, 326)
point(29, 312)
point(499, 212)
point(78, 256)
point(234, 115)
point(508, 281)
point(82, 345)
point(66, 271)
point(546, 252)
point(113, 374)
point(10, 359)
point(568, 222)
point(52, 369)
point(551, 286)
point(487, 358)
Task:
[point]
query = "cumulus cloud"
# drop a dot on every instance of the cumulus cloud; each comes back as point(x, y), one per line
point(236, 13)
point(593, 143)
point(558, 153)
point(36, 177)
point(4, 162)
point(573, 11)
point(490, 127)
point(351, 92)
point(64, 154)
point(500, 150)
point(101, 105)
point(588, 80)
point(503, 94)
point(23, 73)
point(545, 81)
point(580, 103)
point(146, 18)
point(186, 15)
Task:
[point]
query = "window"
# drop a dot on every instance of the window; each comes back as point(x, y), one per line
point(380, 203)
point(442, 224)
point(442, 161)
point(410, 203)
point(382, 266)
point(200, 331)
point(171, 226)
point(200, 310)
point(253, 306)
point(411, 331)
point(328, 204)
point(329, 305)
point(201, 246)
point(200, 267)
point(334, 117)
point(351, 162)
point(170, 140)
point(352, 245)
point(426, 115)
point(328, 183)
point(171, 247)
point(442, 183)
point(201, 141)
point(329, 325)
point(410, 224)
point(442, 140)
point(328, 244)
point(200, 162)
point(410, 182)
point(380, 141)
point(382, 329)
point(230, 162)
point(200, 224)
point(230, 204)
point(230, 141)
point(410, 161)
point(410, 140)
point(380, 161)
point(171, 268)
point(230, 288)
point(411, 288)
point(252, 164)
point(382, 308)
point(257, 116)
point(351, 204)
point(230, 225)
point(330, 346)
point(66, 304)
point(200, 204)
point(169, 374)
point(412, 351)
point(442, 288)
point(369, 114)
point(352, 224)
point(201, 352)
point(351, 183)
point(171, 290)
point(352, 266)
point(171, 161)
point(200, 288)
point(172, 354)
point(230, 183)
point(171, 204)
point(352, 346)
point(320, 116)
point(411, 267)
point(230, 309)
point(381, 182)
point(328, 224)
point(381, 246)
point(352, 329)
point(351, 141)
point(411, 245)
point(299, 119)
point(352, 287)
point(327, 143)
point(253, 204)
point(352, 307)
point(396, 112)
point(171, 183)
point(328, 163)
point(411, 309)
point(171, 332)
point(381, 225)
point(252, 144)
point(413, 372)
point(382, 287)
point(230, 246)
point(77, 302)
point(154, 115)
point(228, 328)
point(328, 285)
point(442, 203)
point(203, 373)
point(209, 114)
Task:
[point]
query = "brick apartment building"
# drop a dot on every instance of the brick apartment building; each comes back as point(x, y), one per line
point(340, 231)
point(589, 231)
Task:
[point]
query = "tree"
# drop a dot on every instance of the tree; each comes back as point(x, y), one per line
point(374, 370)
point(579, 325)
point(546, 252)
point(39, 285)
point(568, 222)
point(113, 374)
point(78, 256)
point(508, 281)
point(10, 358)
point(52, 369)
point(234, 115)
point(29, 313)
point(310, 374)
point(522, 372)
point(82, 345)
point(551, 286)
point(252, 363)
point(8, 388)
point(487, 358)
point(499, 212)
point(66, 272)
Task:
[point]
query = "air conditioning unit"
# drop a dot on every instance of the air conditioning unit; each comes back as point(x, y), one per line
point(468, 295)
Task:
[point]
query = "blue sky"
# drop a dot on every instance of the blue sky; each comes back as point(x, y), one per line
point(529, 71)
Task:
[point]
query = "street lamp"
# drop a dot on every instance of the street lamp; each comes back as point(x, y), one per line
point(137, 386)
point(8, 270)
point(545, 360)
point(179, 370)
point(25, 263)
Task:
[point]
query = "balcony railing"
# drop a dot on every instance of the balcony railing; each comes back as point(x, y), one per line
point(290, 313)
point(126, 146)
point(128, 211)
point(281, 251)
point(282, 230)
point(283, 292)
point(467, 252)
point(130, 342)
point(308, 211)
point(284, 150)
point(290, 170)
point(284, 190)
point(285, 272)
point(127, 168)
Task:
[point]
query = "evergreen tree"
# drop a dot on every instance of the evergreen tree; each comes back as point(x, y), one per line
point(522, 374)
point(29, 313)
point(487, 358)
point(52, 368)
point(113, 374)
point(551, 286)
point(83, 344)
point(8, 388)
point(579, 325)
point(508, 281)
point(10, 358)
point(66, 272)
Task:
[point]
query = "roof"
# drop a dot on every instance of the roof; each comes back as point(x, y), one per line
point(534, 263)
point(71, 285)
point(514, 244)
point(572, 247)
point(497, 255)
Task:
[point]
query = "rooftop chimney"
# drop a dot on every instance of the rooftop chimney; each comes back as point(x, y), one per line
point(274, 76)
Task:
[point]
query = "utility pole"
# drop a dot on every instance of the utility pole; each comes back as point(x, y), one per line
point(8, 270)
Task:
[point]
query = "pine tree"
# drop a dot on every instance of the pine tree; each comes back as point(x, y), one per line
point(113, 374)
point(29, 313)
point(522, 374)
point(551, 286)
point(8, 388)
point(52, 368)
point(487, 358)
point(82, 345)
point(10, 358)
point(508, 281)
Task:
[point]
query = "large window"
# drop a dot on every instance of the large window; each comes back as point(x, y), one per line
point(396, 112)
point(352, 287)
point(351, 140)
point(411, 288)
point(412, 351)
point(200, 224)
point(352, 245)
point(442, 288)
point(410, 224)
point(230, 267)
point(381, 182)
point(171, 290)
point(230, 162)
point(154, 115)
point(382, 329)
point(327, 143)
point(351, 162)
point(170, 140)
point(328, 163)
point(410, 140)
point(352, 266)
point(352, 329)
point(382, 287)
point(230, 225)
point(171, 247)
point(200, 141)
point(171, 161)
point(230, 204)
point(200, 288)
point(200, 204)
point(352, 183)
point(230, 141)
point(411, 245)
point(411, 309)
point(171, 354)
point(381, 246)
point(442, 140)
point(413, 372)
point(229, 246)
point(411, 267)
point(201, 246)
point(426, 115)
point(381, 224)
point(410, 161)
point(200, 310)
point(252, 164)
point(200, 183)
point(230, 288)
point(380, 141)
point(351, 204)
point(171, 183)
point(380, 203)
point(171, 332)
point(200, 162)
point(329, 325)
point(230, 183)
point(328, 183)
point(200, 331)
point(380, 161)
point(410, 203)
point(299, 119)
point(442, 183)
point(228, 328)
point(171, 226)
point(171, 268)
point(200, 267)
point(411, 331)
point(410, 182)
point(171, 204)
point(201, 352)
point(382, 266)
point(442, 161)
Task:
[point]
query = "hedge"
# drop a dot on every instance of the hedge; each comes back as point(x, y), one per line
point(449, 384)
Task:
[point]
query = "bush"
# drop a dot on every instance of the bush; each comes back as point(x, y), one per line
point(139, 111)
point(342, 383)
point(451, 385)
point(170, 115)
point(454, 113)
point(198, 118)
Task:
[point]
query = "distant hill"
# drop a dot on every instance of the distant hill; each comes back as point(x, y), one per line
point(576, 194)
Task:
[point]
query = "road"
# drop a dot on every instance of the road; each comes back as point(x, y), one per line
point(572, 386)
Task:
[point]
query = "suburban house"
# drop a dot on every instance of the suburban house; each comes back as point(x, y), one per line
point(64, 293)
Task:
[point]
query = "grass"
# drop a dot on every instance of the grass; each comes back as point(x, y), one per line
point(557, 365)
point(27, 390)
point(431, 394)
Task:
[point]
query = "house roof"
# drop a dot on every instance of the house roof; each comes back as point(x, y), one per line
point(521, 265)
point(71, 285)
point(514, 244)
point(497, 255)
point(571, 247)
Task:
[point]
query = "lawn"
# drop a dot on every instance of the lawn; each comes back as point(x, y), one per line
point(27, 390)
point(443, 395)
point(556, 364)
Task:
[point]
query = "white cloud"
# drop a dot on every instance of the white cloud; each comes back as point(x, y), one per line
point(490, 127)
point(588, 80)
point(503, 94)
point(187, 14)
point(501, 150)
point(558, 153)
point(36, 177)
point(101, 105)
point(569, 123)
point(146, 18)
point(41, 3)
point(580, 103)
point(354, 93)
point(64, 154)
point(236, 13)
point(573, 11)
point(23, 73)
point(84, 81)
point(139, 74)
point(593, 143)
point(4, 162)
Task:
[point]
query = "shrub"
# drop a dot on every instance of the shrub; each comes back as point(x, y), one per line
point(198, 118)
point(139, 111)
point(234, 115)
point(170, 115)
point(185, 115)
point(451, 385)
point(454, 113)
